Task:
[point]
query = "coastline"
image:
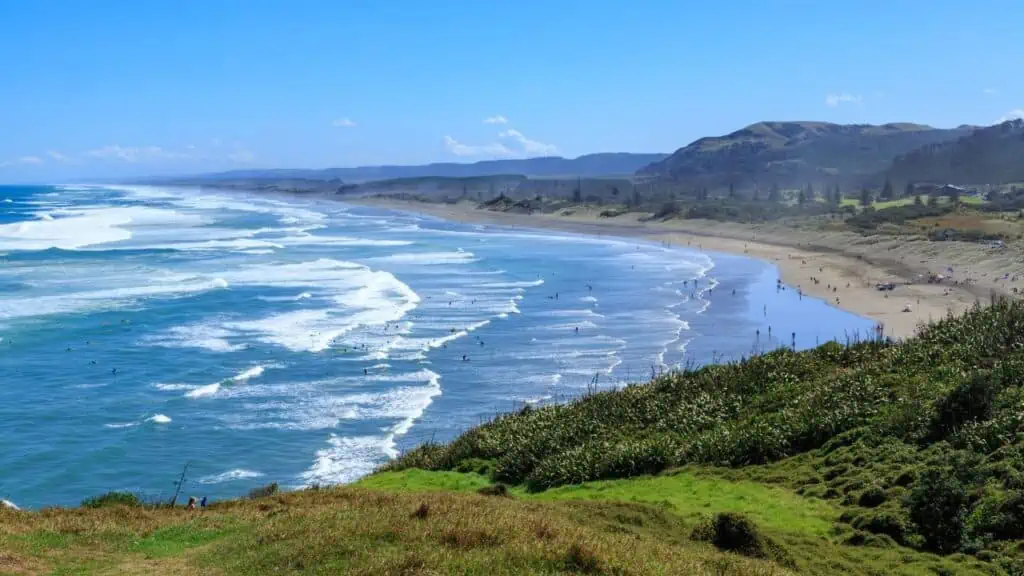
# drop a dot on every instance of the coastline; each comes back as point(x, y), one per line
point(839, 275)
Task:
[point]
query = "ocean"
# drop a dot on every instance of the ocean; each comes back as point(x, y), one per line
point(264, 338)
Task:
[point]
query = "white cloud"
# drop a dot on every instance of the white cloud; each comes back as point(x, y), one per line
point(990, 91)
point(530, 147)
point(843, 98)
point(343, 123)
point(460, 149)
point(1016, 114)
point(242, 156)
point(57, 156)
point(23, 160)
point(133, 154)
point(498, 119)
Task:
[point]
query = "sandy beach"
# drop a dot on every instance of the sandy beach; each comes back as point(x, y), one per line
point(841, 268)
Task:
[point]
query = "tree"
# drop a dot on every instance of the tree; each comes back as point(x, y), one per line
point(837, 196)
point(809, 193)
point(802, 197)
point(636, 197)
point(757, 194)
point(954, 196)
point(774, 195)
point(577, 195)
point(615, 191)
point(732, 191)
point(887, 193)
point(909, 190)
point(933, 200)
point(866, 197)
point(918, 201)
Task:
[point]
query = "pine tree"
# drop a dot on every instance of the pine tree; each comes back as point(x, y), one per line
point(802, 197)
point(774, 195)
point(909, 190)
point(886, 190)
point(866, 197)
point(918, 201)
point(809, 193)
point(732, 191)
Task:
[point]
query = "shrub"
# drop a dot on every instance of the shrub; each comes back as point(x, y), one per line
point(731, 532)
point(421, 512)
point(938, 505)
point(498, 489)
point(872, 497)
point(971, 401)
point(112, 499)
point(264, 491)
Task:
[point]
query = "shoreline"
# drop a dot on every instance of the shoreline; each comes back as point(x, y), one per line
point(842, 280)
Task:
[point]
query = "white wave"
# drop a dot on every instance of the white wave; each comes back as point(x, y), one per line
point(159, 419)
point(121, 425)
point(45, 216)
point(88, 227)
point(103, 299)
point(7, 201)
point(241, 377)
point(519, 284)
point(346, 459)
point(428, 258)
point(203, 391)
point(212, 338)
point(367, 298)
point(174, 387)
point(236, 474)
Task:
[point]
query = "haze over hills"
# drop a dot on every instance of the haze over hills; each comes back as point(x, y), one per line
point(992, 155)
point(792, 154)
point(599, 164)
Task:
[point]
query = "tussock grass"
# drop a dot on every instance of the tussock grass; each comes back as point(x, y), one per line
point(357, 531)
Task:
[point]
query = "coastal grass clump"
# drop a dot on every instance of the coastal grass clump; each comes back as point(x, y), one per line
point(363, 532)
point(920, 443)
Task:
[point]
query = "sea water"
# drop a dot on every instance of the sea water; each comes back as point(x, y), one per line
point(257, 337)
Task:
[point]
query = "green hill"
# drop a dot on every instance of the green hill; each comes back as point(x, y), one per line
point(870, 457)
point(792, 154)
point(989, 155)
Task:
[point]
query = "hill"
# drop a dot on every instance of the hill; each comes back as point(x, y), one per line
point(793, 154)
point(989, 155)
point(872, 457)
point(601, 164)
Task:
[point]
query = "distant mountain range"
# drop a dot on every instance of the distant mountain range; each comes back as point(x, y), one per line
point(792, 154)
point(992, 155)
point(590, 165)
point(784, 154)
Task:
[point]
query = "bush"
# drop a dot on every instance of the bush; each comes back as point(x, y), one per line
point(498, 489)
point(872, 497)
point(731, 532)
point(969, 402)
point(112, 499)
point(264, 491)
point(938, 505)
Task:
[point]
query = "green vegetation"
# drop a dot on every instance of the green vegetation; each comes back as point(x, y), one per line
point(918, 444)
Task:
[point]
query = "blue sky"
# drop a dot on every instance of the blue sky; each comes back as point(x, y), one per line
point(113, 88)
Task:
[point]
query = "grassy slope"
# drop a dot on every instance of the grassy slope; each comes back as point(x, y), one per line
point(359, 531)
point(919, 445)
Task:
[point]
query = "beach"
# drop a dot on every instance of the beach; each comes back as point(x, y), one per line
point(842, 269)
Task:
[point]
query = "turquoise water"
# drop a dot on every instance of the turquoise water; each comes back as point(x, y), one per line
point(269, 338)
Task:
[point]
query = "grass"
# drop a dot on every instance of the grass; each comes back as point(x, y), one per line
point(359, 531)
